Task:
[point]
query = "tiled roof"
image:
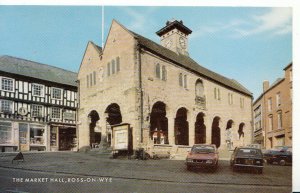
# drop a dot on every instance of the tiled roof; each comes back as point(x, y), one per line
point(36, 70)
point(190, 64)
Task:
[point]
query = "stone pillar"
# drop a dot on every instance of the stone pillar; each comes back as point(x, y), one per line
point(103, 127)
point(171, 132)
point(191, 120)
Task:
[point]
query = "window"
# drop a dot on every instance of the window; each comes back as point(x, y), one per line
point(199, 88)
point(164, 73)
point(279, 119)
point(185, 81)
point(180, 79)
point(7, 84)
point(37, 90)
point(242, 102)
point(6, 106)
point(87, 80)
point(55, 113)
point(270, 104)
point(219, 94)
point(36, 110)
point(157, 70)
point(215, 93)
point(5, 133)
point(278, 99)
point(230, 98)
point(270, 123)
point(57, 93)
point(108, 69)
point(113, 67)
point(94, 77)
point(118, 63)
point(291, 75)
point(37, 135)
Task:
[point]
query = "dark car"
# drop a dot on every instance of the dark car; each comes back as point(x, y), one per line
point(281, 156)
point(247, 157)
point(204, 156)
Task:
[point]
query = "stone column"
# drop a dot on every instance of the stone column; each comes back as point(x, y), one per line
point(191, 120)
point(171, 133)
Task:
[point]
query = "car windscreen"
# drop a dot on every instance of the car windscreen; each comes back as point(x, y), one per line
point(248, 152)
point(203, 149)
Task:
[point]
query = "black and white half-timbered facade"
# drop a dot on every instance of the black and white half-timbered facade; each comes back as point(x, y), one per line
point(38, 106)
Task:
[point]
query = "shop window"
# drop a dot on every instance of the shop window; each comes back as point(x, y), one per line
point(55, 113)
point(56, 93)
point(7, 84)
point(38, 90)
point(6, 106)
point(37, 135)
point(5, 133)
point(36, 110)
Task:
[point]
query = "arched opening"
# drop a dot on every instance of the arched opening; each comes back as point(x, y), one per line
point(216, 132)
point(200, 129)
point(95, 137)
point(113, 114)
point(113, 117)
point(159, 124)
point(181, 127)
point(229, 141)
point(241, 130)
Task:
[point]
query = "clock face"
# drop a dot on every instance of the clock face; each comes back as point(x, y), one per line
point(182, 42)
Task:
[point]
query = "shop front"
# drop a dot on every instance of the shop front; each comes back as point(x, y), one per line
point(63, 138)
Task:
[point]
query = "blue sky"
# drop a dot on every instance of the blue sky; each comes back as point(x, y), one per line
point(247, 44)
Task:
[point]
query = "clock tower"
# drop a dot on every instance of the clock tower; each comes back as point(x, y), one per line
point(174, 36)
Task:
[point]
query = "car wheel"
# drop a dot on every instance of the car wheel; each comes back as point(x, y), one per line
point(282, 162)
point(189, 168)
point(234, 168)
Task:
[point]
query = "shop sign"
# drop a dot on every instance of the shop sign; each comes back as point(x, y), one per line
point(69, 116)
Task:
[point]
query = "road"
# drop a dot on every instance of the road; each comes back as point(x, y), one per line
point(76, 172)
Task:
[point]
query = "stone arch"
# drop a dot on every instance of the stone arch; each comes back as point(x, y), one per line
point(216, 132)
point(181, 127)
point(114, 115)
point(94, 136)
point(159, 123)
point(200, 129)
point(241, 130)
point(228, 130)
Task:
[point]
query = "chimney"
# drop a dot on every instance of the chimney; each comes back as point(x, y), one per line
point(266, 85)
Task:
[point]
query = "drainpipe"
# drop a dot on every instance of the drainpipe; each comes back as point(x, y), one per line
point(140, 89)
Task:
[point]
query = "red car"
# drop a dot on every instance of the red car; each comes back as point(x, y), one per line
point(204, 156)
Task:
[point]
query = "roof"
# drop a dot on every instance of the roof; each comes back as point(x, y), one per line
point(172, 25)
point(190, 64)
point(289, 65)
point(36, 70)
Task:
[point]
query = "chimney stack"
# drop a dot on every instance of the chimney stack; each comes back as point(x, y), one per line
point(266, 85)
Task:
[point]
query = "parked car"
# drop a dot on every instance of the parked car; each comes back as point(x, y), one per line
point(203, 156)
point(281, 156)
point(247, 157)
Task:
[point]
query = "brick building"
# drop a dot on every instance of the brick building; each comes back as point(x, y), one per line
point(273, 112)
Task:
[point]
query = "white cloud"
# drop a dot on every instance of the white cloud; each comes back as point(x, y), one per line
point(277, 21)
